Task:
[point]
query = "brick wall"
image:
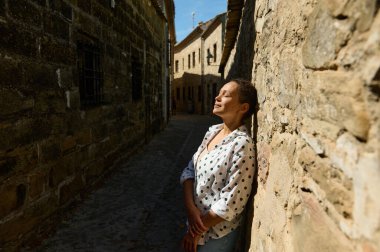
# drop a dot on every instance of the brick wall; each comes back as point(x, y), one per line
point(52, 146)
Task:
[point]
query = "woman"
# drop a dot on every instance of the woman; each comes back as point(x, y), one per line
point(218, 180)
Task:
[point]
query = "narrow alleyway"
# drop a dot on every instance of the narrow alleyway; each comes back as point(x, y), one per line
point(140, 207)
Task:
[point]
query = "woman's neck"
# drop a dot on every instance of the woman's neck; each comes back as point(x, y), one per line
point(228, 127)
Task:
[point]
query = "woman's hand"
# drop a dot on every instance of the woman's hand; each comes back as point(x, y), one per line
point(190, 243)
point(196, 226)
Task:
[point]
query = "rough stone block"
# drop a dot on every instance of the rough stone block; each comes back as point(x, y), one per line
point(84, 137)
point(40, 76)
point(322, 128)
point(7, 164)
point(25, 12)
point(94, 171)
point(10, 73)
point(61, 7)
point(17, 40)
point(336, 186)
point(12, 101)
point(49, 150)
point(62, 170)
point(50, 102)
point(37, 183)
point(313, 142)
point(313, 229)
point(11, 229)
point(68, 191)
point(365, 11)
point(358, 122)
point(344, 154)
point(57, 52)
point(56, 26)
point(12, 198)
point(18, 134)
point(40, 2)
point(337, 82)
point(323, 39)
point(85, 5)
point(68, 144)
point(367, 187)
point(335, 7)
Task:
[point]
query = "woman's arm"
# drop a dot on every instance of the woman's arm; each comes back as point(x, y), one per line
point(196, 225)
point(210, 219)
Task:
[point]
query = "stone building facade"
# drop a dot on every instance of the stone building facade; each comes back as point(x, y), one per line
point(82, 84)
point(196, 61)
point(316, 66)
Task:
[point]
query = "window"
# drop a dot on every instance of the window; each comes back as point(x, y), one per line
point(193, 59)
point(183, 64)
point(188, 93)
point(215, 52)
point(136, 80)
point(176, 66)
point(178, 94)
point(90, 75)
point(188, 61)
point(183, 93)
point(208, 56)
point(199, 55)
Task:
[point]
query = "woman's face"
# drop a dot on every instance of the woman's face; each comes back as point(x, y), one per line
point(227, 104)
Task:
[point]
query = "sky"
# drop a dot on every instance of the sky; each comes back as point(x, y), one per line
point(203, 9)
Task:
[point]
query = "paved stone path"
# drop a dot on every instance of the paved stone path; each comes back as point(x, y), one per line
point(140, 207)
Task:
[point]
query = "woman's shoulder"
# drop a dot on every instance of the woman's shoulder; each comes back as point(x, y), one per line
point(242, 136)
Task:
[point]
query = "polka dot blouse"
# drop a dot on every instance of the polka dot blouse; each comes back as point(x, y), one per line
point(222, 178)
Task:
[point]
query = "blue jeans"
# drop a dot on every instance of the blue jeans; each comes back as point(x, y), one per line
point(227, 243)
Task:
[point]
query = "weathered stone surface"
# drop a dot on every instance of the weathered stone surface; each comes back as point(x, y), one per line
point(69, 189)
point(366, 188)
point(325, 37)
point(37, 184)
point(12, 197)
point(316, 68)
point(25, 12)
point(311, 225)
point(17, 40)
point(12, 101)
point(22, 224)
point(364, 12)
point(63, 170)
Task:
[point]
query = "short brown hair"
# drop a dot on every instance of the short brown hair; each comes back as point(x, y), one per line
point(247, 94)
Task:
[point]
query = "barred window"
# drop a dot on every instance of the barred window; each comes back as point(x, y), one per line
point(90, 75)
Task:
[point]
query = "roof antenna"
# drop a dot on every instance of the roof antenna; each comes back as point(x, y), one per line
point(193, 14)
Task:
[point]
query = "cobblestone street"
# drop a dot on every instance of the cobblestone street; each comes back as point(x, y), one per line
point(139, 208)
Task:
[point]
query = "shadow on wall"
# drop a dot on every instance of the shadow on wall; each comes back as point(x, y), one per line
point(194, 93)
point(243, 58)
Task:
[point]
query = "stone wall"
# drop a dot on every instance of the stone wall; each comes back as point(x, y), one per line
point(52, 146)
point(317, 70)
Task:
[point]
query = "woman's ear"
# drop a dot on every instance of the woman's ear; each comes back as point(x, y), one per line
point(244, 107)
